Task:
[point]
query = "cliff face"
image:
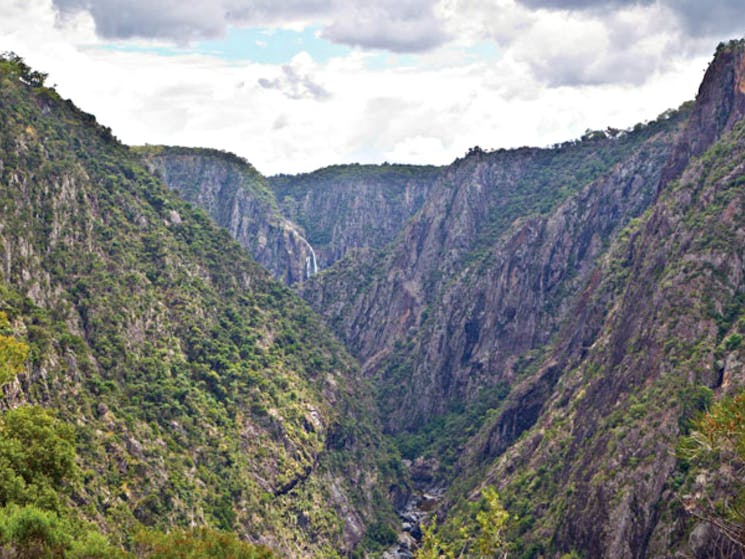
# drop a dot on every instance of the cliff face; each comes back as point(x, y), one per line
point(237, 198)
point(295, 225)
point(349, 207)
point(543, 320)
point(572, 307)
point(484, 270)
point(720, 104)
point(583, 447)
point(199, 390)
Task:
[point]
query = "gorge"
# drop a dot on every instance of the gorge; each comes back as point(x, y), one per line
point(546, 322)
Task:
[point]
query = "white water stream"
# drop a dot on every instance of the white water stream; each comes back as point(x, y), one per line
point(311, 265)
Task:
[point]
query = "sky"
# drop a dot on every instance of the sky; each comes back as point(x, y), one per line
point(295, 85)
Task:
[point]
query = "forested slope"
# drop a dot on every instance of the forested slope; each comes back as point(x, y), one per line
point(197, 390)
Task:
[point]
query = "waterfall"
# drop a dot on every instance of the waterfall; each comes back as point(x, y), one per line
point(311, 266)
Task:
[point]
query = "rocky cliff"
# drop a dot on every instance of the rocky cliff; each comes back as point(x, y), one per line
point(720, 104)
point(347, 207)
point(295, 225)
point(483, 271)
point(583, 447)
point(545, 321)
point(550, 320)
point(237, 197)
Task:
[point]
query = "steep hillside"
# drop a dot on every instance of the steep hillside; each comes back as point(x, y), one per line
point(348, 207)
point(237, 197)
point(484, 271)
point(199, 391)
point(583, 448)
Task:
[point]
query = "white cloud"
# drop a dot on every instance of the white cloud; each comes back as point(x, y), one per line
point(618, 68)
point(700, 17)
point(296, 80)
point(395, 25)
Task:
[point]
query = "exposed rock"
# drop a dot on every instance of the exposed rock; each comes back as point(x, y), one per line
point(449, 307)
point(237, 198)
point(720, 104)
point(347, 207)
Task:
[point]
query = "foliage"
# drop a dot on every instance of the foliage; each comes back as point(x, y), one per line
point(480, 536)
point(28, 532)
point(443, 436)
point(724, 426)
point(13, 353)
point(491, 519)
point(717, 442)
point(693, 401)
point(37, 453)
point(351, 204)
point(14, 65)
point(196, 543)
point(431, 546)
point(547, 177)
point(186, 170)
point(201, 391)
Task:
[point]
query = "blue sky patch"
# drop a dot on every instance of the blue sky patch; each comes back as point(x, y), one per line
point(262, 45)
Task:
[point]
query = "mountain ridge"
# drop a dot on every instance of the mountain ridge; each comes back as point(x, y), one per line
point(543, 322)
point(202, 392)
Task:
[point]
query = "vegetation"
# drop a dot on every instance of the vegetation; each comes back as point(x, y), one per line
point(482, 539)
point(14, 66)
point(199, 543)
point(549, 176)
point(13, 353)
point(240, 175)
point(169, 400)
point(717, 444)
point(196, 390)
point(327, 203)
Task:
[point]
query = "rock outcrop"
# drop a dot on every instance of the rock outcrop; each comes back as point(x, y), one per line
point(602, 311)
point(585, 444)
point(348, 207)
point(237, 197)
point(720, 104)
point(483, 272)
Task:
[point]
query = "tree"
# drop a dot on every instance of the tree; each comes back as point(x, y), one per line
point(196, 543)
point(18, 67)
point(718, 443)
point(29, 532)
point(13, 353)
point(37, 453)
point(492, 520)
point(485, 542)
point(432, 547)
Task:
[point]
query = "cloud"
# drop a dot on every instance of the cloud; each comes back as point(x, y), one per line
point(577, 43)
point(628, 47)
point(151, 19)
point(295, 80)
point(698, 17)
point(597, 5)
point(429, 112)
point(397, 26)
point(710, 17)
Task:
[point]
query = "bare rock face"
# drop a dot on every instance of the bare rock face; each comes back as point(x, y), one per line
point(478, 276)
point(348, 207)
point(720, 104)
point(595, 427)
point(601, 307)
point(237, 198)
point(296, 225)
